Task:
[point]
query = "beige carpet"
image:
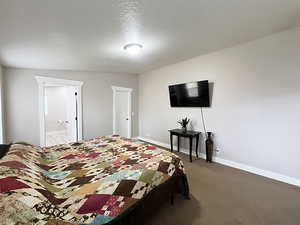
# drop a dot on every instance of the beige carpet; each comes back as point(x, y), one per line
point(221, 195)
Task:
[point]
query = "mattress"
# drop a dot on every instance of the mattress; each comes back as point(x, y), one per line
point(89, 182)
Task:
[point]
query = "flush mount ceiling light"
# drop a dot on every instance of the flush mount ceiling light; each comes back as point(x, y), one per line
point(133, 48)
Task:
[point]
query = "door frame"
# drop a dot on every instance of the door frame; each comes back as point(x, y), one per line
point(129, 91)
point(44, 82)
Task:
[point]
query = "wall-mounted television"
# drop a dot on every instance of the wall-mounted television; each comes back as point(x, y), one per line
point(193, 94)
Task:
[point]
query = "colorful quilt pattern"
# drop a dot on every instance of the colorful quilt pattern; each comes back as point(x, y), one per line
point(89, 182)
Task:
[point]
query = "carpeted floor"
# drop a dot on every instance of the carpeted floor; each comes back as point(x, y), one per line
point(221, 195)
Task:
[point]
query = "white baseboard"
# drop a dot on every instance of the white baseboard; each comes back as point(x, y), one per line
point(251, 169)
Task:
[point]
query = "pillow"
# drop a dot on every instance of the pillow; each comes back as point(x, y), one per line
point(4, 149)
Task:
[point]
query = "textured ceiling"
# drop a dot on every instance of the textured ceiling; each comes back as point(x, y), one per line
point(90, 35)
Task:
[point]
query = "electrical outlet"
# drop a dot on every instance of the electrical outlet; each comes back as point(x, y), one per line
point(218, 150)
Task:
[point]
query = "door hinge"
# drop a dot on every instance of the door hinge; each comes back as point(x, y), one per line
point(75, 118)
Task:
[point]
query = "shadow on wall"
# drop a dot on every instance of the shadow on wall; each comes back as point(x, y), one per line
point(211, 86)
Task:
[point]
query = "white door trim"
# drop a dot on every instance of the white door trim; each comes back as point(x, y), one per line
point(48, 82)
point(129, 91)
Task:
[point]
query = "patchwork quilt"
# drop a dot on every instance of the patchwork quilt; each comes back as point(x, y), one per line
point(90, 182)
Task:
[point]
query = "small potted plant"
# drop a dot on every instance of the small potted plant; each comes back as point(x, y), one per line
point(184, 122)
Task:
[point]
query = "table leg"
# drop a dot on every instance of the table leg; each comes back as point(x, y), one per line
point(197, 142)
point(171, 141)
point(191, 146)
point(178, 143)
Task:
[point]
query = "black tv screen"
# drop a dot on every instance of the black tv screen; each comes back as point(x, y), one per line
point(193, 94)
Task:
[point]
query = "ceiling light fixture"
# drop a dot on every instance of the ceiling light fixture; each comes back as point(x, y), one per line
point(133, 48)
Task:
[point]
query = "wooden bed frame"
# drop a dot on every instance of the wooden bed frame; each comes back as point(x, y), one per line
point(177, 184)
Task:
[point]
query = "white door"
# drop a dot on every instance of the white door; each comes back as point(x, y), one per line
point(122, 112)
point(72, 111)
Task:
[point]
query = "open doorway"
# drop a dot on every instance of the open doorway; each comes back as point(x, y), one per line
point(60, 115)
point(60, 111)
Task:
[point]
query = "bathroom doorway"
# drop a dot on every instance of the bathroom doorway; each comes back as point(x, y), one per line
point(60, 111)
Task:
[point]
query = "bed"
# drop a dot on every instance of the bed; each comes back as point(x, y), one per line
point(96, 182)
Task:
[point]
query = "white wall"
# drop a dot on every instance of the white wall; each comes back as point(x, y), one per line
point(1, 106)
point(255, 112)
point(21, 101)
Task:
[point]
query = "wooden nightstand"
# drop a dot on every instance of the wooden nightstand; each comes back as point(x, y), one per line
point(186, 134)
